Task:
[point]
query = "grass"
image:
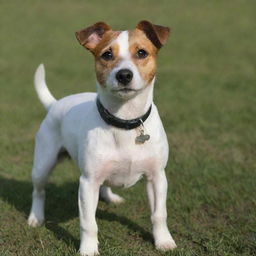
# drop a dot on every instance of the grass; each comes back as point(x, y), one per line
point(205, 92)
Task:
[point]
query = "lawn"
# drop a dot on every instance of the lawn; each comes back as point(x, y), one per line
point(206, 95)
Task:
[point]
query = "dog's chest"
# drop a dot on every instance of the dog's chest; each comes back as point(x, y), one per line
point(126, 161)
point(123, 170)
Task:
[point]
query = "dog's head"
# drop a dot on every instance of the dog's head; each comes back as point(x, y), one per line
point(125, 61)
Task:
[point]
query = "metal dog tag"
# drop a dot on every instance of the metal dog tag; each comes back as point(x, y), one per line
point(142, 138)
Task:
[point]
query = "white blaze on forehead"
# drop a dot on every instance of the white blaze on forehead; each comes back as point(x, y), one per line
point(123, 43)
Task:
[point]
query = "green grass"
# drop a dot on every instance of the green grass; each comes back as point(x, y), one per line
point(206, 95)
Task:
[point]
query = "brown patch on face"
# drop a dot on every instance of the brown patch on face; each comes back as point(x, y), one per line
point(104, 67)
point(146, 66)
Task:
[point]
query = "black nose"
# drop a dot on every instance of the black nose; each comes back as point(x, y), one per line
point(124, 76)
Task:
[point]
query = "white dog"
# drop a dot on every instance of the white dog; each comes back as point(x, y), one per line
point(115, 136)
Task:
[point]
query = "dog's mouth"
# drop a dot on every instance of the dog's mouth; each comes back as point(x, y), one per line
point(124, 90)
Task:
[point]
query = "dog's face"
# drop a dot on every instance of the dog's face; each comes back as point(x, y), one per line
point(125, 61)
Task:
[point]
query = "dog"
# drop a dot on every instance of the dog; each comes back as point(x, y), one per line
point(115, 136)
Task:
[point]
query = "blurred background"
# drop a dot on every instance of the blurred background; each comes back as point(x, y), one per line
point(205, 93)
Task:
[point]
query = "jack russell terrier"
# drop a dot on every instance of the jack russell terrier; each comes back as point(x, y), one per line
point(115, 135)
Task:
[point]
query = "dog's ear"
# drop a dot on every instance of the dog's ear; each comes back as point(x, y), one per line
point(91, 36)
point(157, 34)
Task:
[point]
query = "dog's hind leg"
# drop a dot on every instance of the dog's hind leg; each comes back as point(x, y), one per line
point(45, 156)
point(107, 195)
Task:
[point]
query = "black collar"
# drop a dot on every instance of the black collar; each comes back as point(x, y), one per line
point(118, 122)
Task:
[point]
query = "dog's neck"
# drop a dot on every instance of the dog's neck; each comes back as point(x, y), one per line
point(127, 108)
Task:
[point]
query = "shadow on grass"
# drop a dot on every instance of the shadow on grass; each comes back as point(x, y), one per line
point(61, 206)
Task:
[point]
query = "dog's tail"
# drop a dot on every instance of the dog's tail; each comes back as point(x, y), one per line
point(42, 90)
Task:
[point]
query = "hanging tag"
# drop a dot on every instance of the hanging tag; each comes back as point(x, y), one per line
point(142, 137)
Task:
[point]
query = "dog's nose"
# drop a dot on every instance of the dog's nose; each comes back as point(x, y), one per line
point(124, 76)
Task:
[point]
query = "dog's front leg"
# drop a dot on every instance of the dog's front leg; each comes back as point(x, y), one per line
point(88, 201)
point(157, 193)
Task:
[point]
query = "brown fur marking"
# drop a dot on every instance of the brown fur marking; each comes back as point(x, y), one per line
point(147, 66)
point(103, 67)
point(157, 34)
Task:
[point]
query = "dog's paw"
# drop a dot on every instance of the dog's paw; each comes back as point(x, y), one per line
point(33, 221)
point(108, 196)
point(89, 251)
point(89, 246)
point(165, 244)
point(116, 199)
point(163, 239)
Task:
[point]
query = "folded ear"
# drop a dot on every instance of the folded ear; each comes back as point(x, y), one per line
point(91, 36)
point(158, 35)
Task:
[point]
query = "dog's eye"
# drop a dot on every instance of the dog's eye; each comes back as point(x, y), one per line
point(141, 54)
point(107, 55)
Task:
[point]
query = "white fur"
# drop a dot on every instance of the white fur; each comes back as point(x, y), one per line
point(41, 88)
point(123, 43)
point(104, 154)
